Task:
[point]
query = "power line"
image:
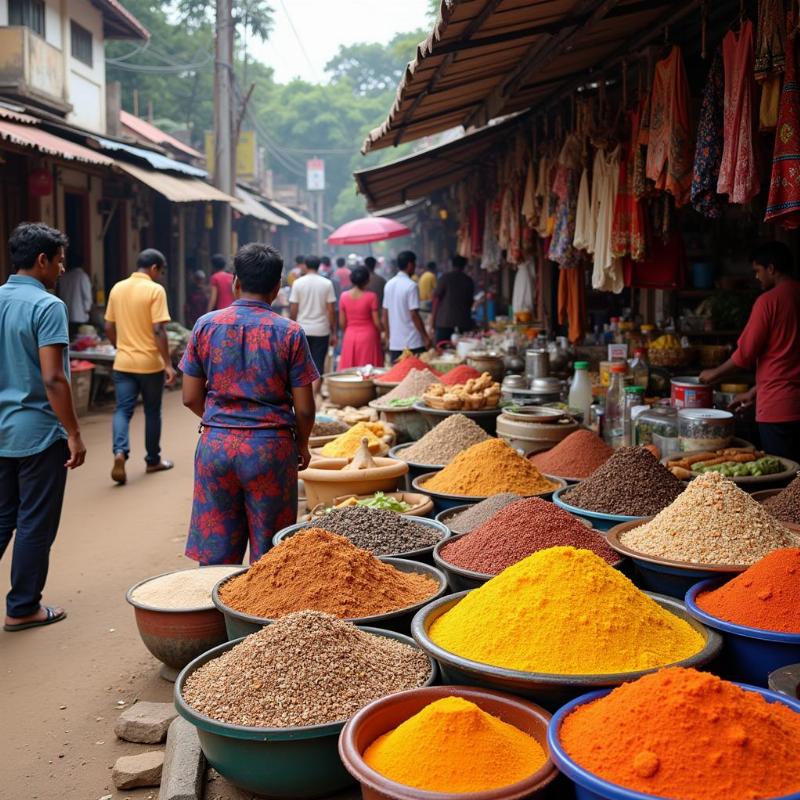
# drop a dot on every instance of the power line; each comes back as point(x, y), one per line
point(297, 37)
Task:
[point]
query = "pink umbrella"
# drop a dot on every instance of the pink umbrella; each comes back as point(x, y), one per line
point(368, 229)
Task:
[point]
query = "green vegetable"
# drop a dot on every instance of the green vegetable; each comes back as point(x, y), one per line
point(404, 402)
point(385, 503)
point(768, 465)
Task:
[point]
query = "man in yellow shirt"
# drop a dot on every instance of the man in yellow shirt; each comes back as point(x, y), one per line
point(136, 317)
point(427, 286)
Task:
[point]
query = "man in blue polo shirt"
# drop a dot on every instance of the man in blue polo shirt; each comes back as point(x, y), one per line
point(39, 434)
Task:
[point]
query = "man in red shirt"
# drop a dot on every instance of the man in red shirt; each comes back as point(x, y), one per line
point(221, 283)
point(770, 344)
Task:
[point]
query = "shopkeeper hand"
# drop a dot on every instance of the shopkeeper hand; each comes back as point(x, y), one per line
point(708, 376)
point(303, 457)
point(742, 401)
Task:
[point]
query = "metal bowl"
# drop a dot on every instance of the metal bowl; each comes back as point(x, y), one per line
point(444, 516)
point(551, 690)
point(238, 624)
point(485, 417)
point(276, 762)
point(415, 469)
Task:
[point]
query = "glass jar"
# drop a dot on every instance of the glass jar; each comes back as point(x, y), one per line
point(704, 429)
point(634, 396)
point(658, 426)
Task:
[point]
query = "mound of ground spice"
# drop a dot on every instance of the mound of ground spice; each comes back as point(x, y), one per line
point(488, 468)
point(518, 530)
point(305, 669)
point(460, 374)
point(576, 456)
point(474, 516)
point(443, 443)
point(712, 522)
point(687, 735)
point(321, 571)
point(403, 367)
point(413, 385)
point(631, 483)
point(766, 595)
point(785, 505)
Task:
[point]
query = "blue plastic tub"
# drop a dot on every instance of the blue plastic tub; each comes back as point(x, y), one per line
point(588, 786)
point(600, 522)
point(748, 654)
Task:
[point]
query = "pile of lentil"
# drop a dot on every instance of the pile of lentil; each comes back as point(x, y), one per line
point(413, 385)
point(631, 483)
point(518, 530)
point(488, 468)
point(331, 427)
point(474, 516)
point(567, 612)
point(460, 374)
point(766, 595)
point(305, 669)
point(712, 522)
point(687, 735)
point(189, 588)
point(443, 443)
point(381, 532)
point(576, 456)
point(785, 505)
point(321, 571)
point(405, 366)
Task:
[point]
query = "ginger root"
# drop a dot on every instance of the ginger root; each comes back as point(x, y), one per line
point(362, 459)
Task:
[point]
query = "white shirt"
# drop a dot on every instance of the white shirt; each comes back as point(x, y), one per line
point(75, 289)
point(312, 293)
point(400, 298)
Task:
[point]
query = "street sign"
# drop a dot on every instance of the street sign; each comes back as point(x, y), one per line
point(315, 175)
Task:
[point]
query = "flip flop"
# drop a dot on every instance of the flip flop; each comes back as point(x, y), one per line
point(52, 616)
point(162, 466)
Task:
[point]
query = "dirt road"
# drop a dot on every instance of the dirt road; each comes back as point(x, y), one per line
point(62, 685)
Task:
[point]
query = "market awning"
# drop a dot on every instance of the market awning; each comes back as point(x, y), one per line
point(487, 58)
point(416, 176)
point(48, 143)
point(155, 160)
point(294, 216)
point(249, 205)
point(174, 188)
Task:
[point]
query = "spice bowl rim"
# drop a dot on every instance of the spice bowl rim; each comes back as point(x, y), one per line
point(138, 604)
point(397, 563)
point(424, 408)
point(746, 631)
point(247, 732)
point(417, 485)
point(581, 776)
point(452, 511)
point(353, 758)
point(422, 621)
point(408, 555)
point(431, 467)
point(577, 510)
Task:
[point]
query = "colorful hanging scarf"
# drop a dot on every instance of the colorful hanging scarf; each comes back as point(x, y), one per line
point(708, 152)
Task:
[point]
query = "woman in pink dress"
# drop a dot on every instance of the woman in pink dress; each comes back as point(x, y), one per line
point(359, 319)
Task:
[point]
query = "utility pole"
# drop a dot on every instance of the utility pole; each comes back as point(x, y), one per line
point(224, 156)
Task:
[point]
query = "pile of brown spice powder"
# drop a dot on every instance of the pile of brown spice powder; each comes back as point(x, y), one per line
point(321, 571)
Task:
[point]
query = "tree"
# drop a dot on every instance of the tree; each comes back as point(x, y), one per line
point(251, 17)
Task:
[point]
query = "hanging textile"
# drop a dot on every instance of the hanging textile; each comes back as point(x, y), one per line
point(529, 197)
point(584, 224)
point(640, 154)
point(607, 271)
point(572, 302)
point(738, 173)
point(664, 268)
point(669, 150)
point(783, 204)
point(522, 296)
point(628, 231)
point(543, 196)
point(477, 216)
point(708, 151)
point(770, 55)
point(492, 255)
point(770, 103)
point(565, 188)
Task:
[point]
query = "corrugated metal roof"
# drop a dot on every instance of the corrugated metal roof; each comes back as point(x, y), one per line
point(118, 22)
point(249, 205)
point(156, 160)
point(145, 129)
point(294, 216)
point(44, 142)
point(17, 116)
point(486, 58)
point(175, 188)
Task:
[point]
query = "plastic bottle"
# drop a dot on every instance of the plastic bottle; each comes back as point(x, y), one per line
point(580, 390)
point(634, 396)
point(613, 419)
point(640, 370)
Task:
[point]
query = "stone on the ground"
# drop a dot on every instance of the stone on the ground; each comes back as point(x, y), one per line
point(184, 763)
point(145, 722)
point(131, 772)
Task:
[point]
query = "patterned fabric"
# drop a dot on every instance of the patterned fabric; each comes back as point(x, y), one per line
point(669, 151)
point(783, 204)
point(738, 172)
point(708, 151)
point(251, 358)
point(770, 58)
point(628, 229)
point(245, 490)
point(607, 270)
point(640, 188)
point(565, 187)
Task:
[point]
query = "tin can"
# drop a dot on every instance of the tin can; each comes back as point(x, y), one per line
point(688, 392)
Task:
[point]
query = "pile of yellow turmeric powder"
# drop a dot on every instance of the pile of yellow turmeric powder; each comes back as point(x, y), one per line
point(488, 468)
point(454, 746)
point(567, 612)
point(346, 445)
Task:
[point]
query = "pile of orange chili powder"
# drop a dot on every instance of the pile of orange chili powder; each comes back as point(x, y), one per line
point(687, 735)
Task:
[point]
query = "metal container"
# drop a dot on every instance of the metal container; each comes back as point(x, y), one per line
point(546, 390)
point(688, 392)
point(487, 361)
point(537, 363)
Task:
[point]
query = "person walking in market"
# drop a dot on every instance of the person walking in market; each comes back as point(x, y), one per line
point(248, 374)
point(221, 294)
point(427, 286)
point(401, 320)
point(75, 289)
point(40, 439)
point(770, 344)
point(452, 301)
point(376, 283)
point(359, 319)
point(136, 318)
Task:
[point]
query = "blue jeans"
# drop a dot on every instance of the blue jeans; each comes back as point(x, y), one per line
point(31, 495)
point(128, 386)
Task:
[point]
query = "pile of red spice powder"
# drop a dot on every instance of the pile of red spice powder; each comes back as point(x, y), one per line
point(403, 367)
point(460, 374)
point(576, 456)
point(517, 531)
point(766, 595)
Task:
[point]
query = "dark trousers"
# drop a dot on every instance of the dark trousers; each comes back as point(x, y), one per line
point(318, 345)
point(31, 495)
point(395, 354)
point(128, 386)
point(781, 439)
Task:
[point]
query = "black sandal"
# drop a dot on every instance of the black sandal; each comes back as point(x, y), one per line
point(52, 616)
